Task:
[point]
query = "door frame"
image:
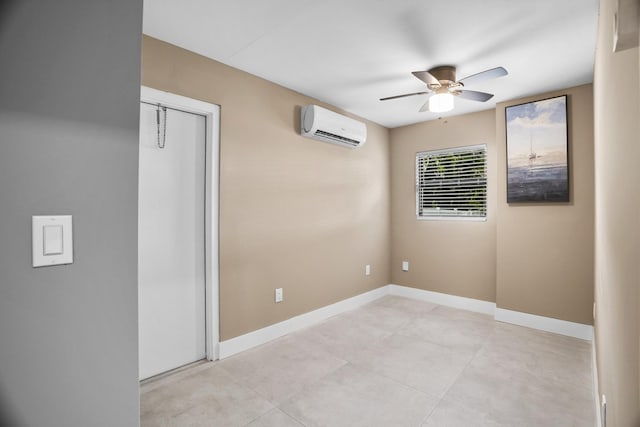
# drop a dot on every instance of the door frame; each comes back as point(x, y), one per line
point(211, 112)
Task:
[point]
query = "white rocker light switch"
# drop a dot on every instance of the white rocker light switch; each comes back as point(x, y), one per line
point(52, 238)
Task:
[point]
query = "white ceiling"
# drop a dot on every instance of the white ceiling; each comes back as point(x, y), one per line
point(350, 53)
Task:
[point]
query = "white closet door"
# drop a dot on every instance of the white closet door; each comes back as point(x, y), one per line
point(171, 241)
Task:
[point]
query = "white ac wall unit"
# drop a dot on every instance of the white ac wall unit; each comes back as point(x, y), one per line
point(325, 125)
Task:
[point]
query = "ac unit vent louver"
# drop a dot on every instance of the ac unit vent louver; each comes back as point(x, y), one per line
point(337, 138)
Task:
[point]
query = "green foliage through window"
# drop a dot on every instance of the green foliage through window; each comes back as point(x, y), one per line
point(452, 183)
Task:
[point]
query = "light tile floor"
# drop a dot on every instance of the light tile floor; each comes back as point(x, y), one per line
point(395, 362)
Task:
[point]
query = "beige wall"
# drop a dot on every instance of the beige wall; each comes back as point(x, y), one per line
point(453, 257)
point(294, 212)
point(545, 250)
point(617, 248)
point(551, 244)
point(307, 216)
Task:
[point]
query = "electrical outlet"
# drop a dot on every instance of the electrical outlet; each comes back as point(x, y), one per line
point(279, 295)
point(405, 265)
point(367, 270)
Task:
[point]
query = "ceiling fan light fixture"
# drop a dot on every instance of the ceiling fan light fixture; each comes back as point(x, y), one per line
point(441, 102)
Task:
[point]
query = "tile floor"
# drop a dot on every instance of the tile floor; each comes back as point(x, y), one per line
point(395, 362)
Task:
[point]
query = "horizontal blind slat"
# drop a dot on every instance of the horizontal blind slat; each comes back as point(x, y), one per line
point(451, 183)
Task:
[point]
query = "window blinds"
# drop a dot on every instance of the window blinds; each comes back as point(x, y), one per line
point(452, 183)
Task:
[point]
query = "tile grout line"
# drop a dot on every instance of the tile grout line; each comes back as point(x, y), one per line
point(444, 394)
point(475, 354)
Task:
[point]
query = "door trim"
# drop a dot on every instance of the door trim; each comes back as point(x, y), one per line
point(212, 198)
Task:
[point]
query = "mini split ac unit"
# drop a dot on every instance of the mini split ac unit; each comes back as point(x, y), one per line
point(325, 125)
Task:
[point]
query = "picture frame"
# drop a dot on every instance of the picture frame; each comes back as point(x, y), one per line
point(538, 151)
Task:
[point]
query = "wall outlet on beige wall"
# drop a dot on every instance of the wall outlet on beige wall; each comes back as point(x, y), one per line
point(367, 270)
point(279, 295)
point(405, 265)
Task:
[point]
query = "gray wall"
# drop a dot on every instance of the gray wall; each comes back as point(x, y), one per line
point(69, 91)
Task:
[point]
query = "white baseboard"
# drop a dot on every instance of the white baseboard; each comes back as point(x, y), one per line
point(596, 386)
point(261, 336)
point(454, 301)
point(562, 327)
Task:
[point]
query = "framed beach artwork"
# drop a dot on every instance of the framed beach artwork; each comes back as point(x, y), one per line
point(537, 151)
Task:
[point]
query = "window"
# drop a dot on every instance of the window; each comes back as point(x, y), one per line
point(452, 183)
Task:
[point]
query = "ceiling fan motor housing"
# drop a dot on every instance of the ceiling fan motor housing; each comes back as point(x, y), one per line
point(445, 74)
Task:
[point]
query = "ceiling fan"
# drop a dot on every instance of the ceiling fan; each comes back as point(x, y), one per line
point(441, 81)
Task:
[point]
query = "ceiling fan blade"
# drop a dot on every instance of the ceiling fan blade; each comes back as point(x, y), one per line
point(402, 96)
point(493, 73)
point(426, 77)
point(474, 95)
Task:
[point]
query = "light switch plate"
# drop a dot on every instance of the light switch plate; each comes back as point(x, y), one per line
point(405, 265)
point(52, 240)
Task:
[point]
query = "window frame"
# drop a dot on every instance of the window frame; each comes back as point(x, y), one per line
point(452, 150)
